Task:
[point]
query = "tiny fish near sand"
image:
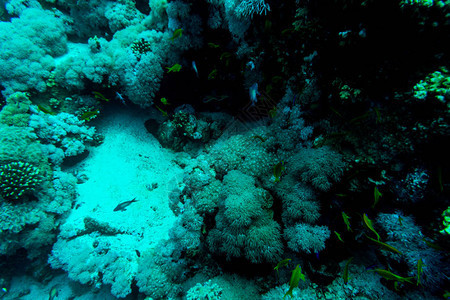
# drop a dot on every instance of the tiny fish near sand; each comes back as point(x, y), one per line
point(123, 206)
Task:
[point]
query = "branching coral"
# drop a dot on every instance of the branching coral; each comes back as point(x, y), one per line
point(18, 179)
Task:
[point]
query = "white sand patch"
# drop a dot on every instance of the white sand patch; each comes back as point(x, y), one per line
point(98, 245)
point(121, 169)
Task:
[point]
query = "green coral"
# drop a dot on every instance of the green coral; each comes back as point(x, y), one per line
point(446, 221)
point(425, 3)
point(436, 84)
point(18, 179)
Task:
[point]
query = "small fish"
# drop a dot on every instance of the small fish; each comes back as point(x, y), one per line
point(253, 93)
point(89, 115)
point(376, 196)
point(433, 245)
point(225, 55)
point(165, 101)
point(174, 68)
point(194, 66)
point(213, 46)
point(267, 25)
point(339, 236)
point(360, 118)
point(277, 170)
point(162, 111)
point(210, 98)
point(400, 220)
point(336, 112)
point(250, 65)
point(368, 224)
point(212, 75)
point(341, 195)
point(419, 270)
point(46, 109)
point(258, 137)
point(384, 246)
point(439, 173)
point(345, 273)
point(138, 253)
point(377, 112)
point(282, 263)
point(120, 97)
point(295, 280)
point(98, 95)
point(273, 112)
point(346, 219)
point(123, 206)
point(391, 276)
point(177, 34)
point(53, 293)
point(287, 31)
point(277, 79)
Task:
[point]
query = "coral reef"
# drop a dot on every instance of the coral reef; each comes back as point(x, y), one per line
point(207, 290)
point(61, 135)
point(244, 226)
point(224, 149)
point(36, 31)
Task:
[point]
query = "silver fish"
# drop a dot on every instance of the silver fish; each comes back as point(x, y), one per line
point(123, 206)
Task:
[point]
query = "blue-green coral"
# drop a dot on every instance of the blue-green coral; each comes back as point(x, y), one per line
point(244, 224)
point(18, 179)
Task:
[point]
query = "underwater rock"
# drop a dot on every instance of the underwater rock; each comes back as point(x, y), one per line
point(186, 130)
point(70, 161)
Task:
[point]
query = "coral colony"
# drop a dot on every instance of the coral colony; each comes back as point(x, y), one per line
point(224, 149)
